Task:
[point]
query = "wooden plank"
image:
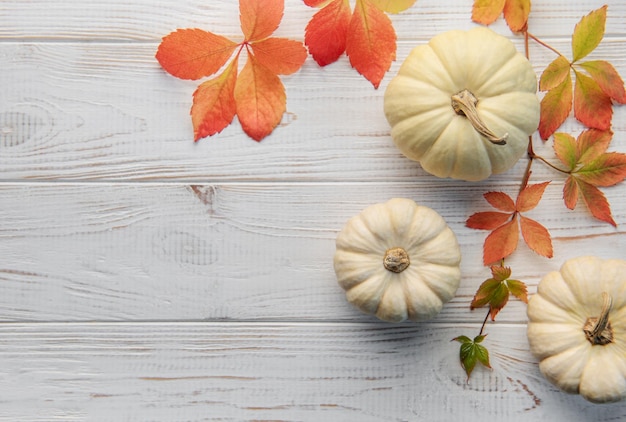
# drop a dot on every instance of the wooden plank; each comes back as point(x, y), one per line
point(99, 251)
point(150, 20)
point(100, 111)
point(226, 371)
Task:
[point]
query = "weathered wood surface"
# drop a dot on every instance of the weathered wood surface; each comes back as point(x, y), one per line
point(145, 277)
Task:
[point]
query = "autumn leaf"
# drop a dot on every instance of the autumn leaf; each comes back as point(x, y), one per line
point(554, 74)
point(555, 107)
point(589, 167)
point(588, 33)
point(516, 12)
point(495, 291)
point(256, 95)
point(472, 352)
point(607, 78)
point(506, 223)
point(592, 107)
point(366, 34)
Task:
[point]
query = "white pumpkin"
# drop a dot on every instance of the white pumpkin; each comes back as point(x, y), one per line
point(464, 104)
point(577, 328)
point(398, 260)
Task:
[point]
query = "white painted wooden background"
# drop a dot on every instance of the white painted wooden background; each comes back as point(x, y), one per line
point(147, 278)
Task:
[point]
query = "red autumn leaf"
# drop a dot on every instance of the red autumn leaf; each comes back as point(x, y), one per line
point(555, 107)
point(607, 78)
point(536, 236)
point(596, 201)
point(530, 196)
point(393, 6)
point(327, 31)
point(591, 144)
point(566, 149)
point(260, 98)
point(371, 43)
point(592, 107)
point(487, 220)
point(554, 74)
point(487, 11)
point(256, 96)
point(260, 18)
point(280, 55)
point(501, 242)
point(500, 201)
point(516, 14)
point(588, 33)
point(194, 53)
point(214, 103)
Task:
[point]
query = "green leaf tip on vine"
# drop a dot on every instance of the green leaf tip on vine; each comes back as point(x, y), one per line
point(472, 352)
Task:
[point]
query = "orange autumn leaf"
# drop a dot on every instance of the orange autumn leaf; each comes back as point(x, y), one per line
point(371, 43)
point(536, 237)
point(194, 53)
point(555, 106)
point(500, 201)
point(515, 12)
point(607, 78)
point(487, 220)
point(554, 74)
point(487, 11)
point(592, 107)
point(256, 96)
point(501, 242)
point(595, 201)
point(530, 196)
point(366, 34)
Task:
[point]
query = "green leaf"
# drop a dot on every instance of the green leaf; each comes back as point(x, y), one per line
point(518, 289)
point(554, 74)
point(588, 33)
point(471, 352)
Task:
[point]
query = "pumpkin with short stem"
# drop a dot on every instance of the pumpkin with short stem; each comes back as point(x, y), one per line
point(577, 328)
point(464, 104)
point(398, 260)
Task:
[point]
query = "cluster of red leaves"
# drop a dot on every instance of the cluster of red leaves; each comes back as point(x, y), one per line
point(366, 34)
point(515, 12)
point(505, 224)
point(597, 83)
point(256, 94)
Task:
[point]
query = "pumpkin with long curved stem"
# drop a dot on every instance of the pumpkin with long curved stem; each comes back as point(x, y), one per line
point(464, 104)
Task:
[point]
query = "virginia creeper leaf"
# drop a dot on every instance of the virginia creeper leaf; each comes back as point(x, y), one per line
point(516, 14)
point(606, 170)
point(214, 103)
point(592, 107)
point(501, 242)
point(260, 98)
point(607, 78)
point(536, 236)
point(280, 55)
point(554, 74)
point(518, 289)
point(566, 149)
point(500, 273)
point(485, 293)
point(487, 220)
point(194, 53)
point(596, 201)
point(588, 33)
point(555, 107)
point(530, 196)
point(472, 352)
point(371, 42)
point(592, 143)
point(327, 32)
point(260, 18)
point(487, 11)
point(500, 201)
point(570, 192)
point(393, 6)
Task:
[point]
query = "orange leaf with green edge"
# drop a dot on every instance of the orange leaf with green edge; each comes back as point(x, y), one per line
point(606, 170)
point(554, 74)
point(393, 6)
point(536, 236)
point(487, 11)
point(371, 42)
point(595, 200)
point(592, 143)
point(592, 107)
point(500, 201)
point(566, 149)
point(516, 14)
point(487, 220)
point(327, 31)
point(530, 196)
point(588, 33)
point(555, 106)
point(485, 293)
point(214, 103)
point(194, 53)
point(260, 98)
point(280, 55)
point(607, 79)
point(260, 18)
point(501, 242)
point(570, 192)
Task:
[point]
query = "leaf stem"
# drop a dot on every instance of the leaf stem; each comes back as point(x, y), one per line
point(549, 47)
point(482, 327)
point(549, 164)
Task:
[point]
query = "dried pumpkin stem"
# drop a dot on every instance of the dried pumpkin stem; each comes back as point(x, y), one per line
point(598, 329)
point(396, 260)
point(464, 104)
